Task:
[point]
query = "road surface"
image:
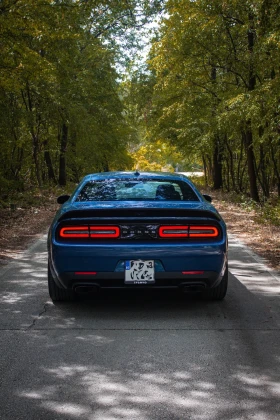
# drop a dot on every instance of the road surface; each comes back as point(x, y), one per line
point(153, 356)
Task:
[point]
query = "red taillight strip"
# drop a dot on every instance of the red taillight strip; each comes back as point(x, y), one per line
point(104, 231)
point(191, 273)
point(192, 231)
point(89, 231)
point(173, 231)
point(85, 273)
point(74, 232)
point(203, 232)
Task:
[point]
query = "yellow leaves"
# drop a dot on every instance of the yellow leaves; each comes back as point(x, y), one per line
point(236, 100)
point(156, 156)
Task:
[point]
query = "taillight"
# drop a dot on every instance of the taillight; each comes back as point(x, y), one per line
point(173, 231)
point(203, 232)
point(104, 231)
point(192, 231)
point(74, 232)
point(89, 232)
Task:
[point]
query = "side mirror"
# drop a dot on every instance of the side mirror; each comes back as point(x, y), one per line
point(207, 197)
point(63, 198)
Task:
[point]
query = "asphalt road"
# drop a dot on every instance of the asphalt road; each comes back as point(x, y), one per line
point(148, 356)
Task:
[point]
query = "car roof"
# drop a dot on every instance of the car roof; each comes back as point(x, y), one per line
point(135, 174)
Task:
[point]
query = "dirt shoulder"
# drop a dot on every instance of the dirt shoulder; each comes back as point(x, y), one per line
point(21, 227)
point(263, 239)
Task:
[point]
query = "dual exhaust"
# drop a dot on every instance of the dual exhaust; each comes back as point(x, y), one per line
point(84, 289)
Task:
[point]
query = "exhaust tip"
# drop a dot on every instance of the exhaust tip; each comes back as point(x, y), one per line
point(193, 288)
point(86, 289)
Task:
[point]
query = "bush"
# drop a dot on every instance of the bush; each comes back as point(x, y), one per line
point(270, 212)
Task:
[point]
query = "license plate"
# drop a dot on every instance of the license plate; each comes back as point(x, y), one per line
point(139, 272)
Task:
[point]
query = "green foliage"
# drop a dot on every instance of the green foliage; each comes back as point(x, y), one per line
point(266, 213)
point(209, 94)
point(199, 181)
point(270, 213)
point(61, 112)
point(216, 92)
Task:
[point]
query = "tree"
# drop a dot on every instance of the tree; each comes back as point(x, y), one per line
point(58, 86)
point(212, 91)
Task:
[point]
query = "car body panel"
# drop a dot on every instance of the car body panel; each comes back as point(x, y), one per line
point(107, 257)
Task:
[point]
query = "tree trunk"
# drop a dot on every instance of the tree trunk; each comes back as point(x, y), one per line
point(16, 162)
point(217, 156)
point(226, 175)
point(276, 168)
point(209, 166)
point(251, 42)
point(72, 165)
point(248, 143)
point(62, 155)
point(217, 165)
point(262, 172)
point(105, 165)
point(34, 129)
point(205, 170)
point(48, 160)
point(35, 155)
point(248, 135)
point(231, 165)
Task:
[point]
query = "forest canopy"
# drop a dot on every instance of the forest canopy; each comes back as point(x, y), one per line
point(216, 90)
point(61, 110)
point(208, 96)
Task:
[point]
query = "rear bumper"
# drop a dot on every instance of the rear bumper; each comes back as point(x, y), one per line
point(66, 263)
point(163, 280)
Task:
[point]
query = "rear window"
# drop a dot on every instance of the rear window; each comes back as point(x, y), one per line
point(137, 190)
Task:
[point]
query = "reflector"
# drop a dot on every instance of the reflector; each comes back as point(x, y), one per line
point(85, 273)
point(192, 272)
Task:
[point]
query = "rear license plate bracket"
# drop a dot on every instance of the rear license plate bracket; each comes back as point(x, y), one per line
point(139, 272)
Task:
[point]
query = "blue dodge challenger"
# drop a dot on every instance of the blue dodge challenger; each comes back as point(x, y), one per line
point(137, 230)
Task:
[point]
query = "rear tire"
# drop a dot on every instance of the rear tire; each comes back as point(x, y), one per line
point(56, 293)
point(220, 291)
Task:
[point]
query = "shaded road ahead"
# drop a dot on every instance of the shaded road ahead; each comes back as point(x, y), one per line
point(147, 356)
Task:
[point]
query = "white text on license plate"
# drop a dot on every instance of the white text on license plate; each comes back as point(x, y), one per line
point(139, 272)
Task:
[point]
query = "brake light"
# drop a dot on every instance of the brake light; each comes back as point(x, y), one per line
point(74, 232)
point(89, 232)
point(174, 231)
point(203, 232)
point(104, 231)
point(192, 231)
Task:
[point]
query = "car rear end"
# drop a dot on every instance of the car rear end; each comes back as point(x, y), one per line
point(131, 245)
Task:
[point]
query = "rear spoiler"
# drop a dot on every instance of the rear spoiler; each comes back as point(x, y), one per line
point(139, 214)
